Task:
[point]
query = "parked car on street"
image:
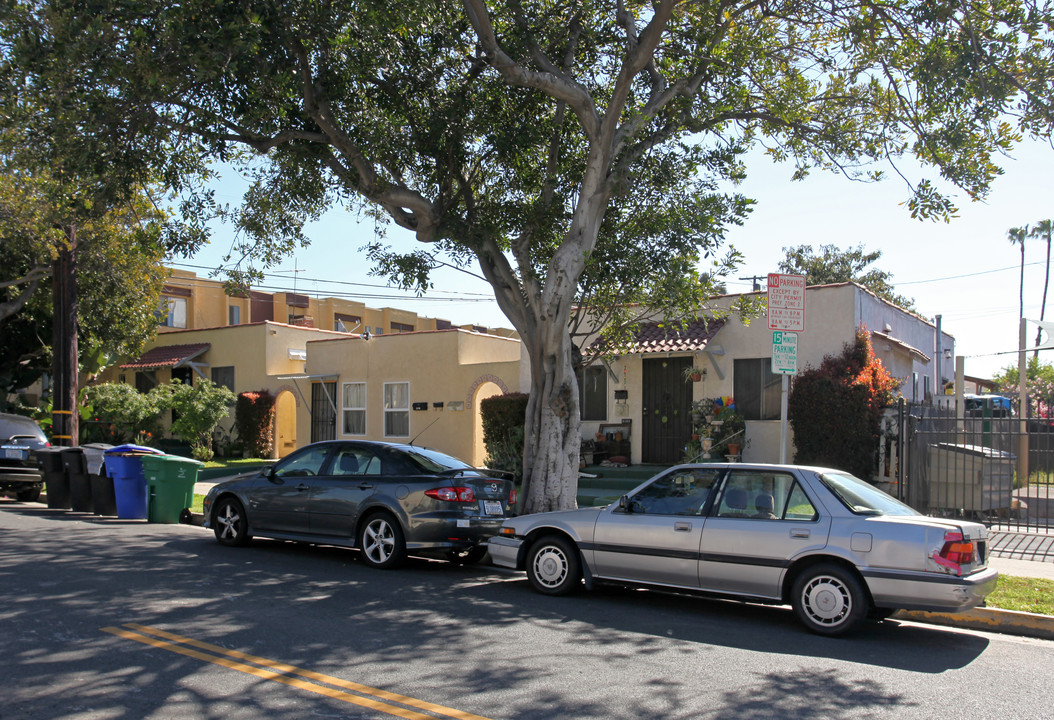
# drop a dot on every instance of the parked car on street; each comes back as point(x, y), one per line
point(20, 438)
point(387, 500)
point(834, 547)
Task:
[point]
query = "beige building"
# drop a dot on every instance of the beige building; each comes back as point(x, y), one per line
point(645, 396)
point(382, 358)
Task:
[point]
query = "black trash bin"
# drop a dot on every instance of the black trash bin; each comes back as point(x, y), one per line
point(56, 481)
point(76, 465)
point(103, 499)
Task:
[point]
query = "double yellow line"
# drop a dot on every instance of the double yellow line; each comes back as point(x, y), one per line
point(291, 675)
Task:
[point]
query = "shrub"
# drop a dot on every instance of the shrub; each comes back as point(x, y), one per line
point(120, 413)
point(503, 418)
point(199, 409)
point(254, 422)
point(836, 409)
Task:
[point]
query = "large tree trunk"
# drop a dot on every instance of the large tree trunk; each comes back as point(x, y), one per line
point(552, 439)
point(65, 427)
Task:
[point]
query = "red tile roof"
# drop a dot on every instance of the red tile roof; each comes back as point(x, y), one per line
point(666, 337)
point(167, 356)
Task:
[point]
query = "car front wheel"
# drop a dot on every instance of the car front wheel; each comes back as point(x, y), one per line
point(829, 600)
point(230, 523)
point(381, 542)
point(553, 566)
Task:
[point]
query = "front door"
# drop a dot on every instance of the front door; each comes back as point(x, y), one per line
point(667, 410)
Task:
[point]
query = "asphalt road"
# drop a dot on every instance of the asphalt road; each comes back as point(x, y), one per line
point(106, 618)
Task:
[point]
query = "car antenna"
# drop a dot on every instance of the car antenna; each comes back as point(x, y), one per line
point(425, 430)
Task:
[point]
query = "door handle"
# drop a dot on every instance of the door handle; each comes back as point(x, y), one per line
point(801, 533)
point(302, 487)
point(682, 526)
point(365, 485)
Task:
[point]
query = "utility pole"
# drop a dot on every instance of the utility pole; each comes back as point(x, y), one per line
point(754, 279)
point(64, 365)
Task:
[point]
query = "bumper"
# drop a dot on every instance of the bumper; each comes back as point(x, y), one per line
point(20, 477)
point(930, 592)
point(505, 551)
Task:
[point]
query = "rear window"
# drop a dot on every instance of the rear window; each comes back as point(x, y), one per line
point(863, 498)
point(14, 425)
point(433, 461)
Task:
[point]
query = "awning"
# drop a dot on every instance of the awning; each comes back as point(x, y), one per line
point(168, 356)
point(901, 345)
point(667, 338)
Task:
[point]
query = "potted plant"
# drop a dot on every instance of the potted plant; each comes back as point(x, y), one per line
point(694, 373)
point(729, 429)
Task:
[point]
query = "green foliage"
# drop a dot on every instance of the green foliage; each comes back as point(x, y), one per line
point(199, 409)
point(1039, 386)
point(503, 431)
point(254, 422)
point(122, 414)
point(836, 409)
point(833, 265)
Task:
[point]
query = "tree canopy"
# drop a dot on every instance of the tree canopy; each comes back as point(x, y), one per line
point(833, 265)
point(559, 146)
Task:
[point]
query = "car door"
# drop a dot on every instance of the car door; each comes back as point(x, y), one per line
point(762, 521)
point(279, 500)
point(337, 496)
point(654, 536)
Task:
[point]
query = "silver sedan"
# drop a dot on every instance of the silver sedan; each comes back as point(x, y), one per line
point(834, 547)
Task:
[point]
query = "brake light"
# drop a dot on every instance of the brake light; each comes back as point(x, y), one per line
point(512, 497)
point(956, 552)
point(452, 494)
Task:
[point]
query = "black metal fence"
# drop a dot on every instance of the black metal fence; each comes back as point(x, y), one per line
point(969, 468)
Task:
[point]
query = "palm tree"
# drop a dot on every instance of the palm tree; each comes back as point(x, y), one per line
point(1042, 230)
point(1017, 237)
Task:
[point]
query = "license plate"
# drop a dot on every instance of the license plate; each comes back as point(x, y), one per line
point(13, 452)
point(492, 507)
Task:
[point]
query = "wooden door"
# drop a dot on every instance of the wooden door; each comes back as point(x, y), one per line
point(667, 410)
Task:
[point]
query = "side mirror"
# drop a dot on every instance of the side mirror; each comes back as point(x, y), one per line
point(624, 504)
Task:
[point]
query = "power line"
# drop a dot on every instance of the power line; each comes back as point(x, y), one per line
point(959, 277)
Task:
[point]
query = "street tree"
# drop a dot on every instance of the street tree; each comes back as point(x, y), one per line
point(1017, 236)
point(1043, 230)
point(833, 265)
point(521, 138)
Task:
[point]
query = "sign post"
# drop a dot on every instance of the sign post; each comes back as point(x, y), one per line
point(786, 303)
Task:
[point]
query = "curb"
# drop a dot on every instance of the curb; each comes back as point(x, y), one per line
point(1008, 622)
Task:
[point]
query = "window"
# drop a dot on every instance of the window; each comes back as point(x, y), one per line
point(224, 376)
point(402, 327)
point(756, 389)
point(306, 463)
point(173, 312)
point(764, 496)
point(593, 392)
point(234, 315)
point(397, 409)
point(681, 492)
point(145, 380)
point(354, 407)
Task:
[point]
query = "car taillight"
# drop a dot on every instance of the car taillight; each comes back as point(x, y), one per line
point(512, 497)
point(956, 552)
point(452, 494)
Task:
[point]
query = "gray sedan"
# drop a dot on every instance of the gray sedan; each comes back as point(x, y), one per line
point(385, 499)
point(834, 547)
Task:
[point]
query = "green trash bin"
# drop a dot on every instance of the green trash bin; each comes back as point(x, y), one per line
point(169, 485)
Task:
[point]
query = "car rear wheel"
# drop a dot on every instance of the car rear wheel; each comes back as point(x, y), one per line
point(553, 566)
point(467, 556)
point(829, 600)
point(230, 523)
point(31, 495)
point(381, 542)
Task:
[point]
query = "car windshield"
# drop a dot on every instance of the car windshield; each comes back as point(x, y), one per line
point(435, 462)
point(863, 498)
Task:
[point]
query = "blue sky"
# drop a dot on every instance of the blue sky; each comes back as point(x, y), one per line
point(965, 270)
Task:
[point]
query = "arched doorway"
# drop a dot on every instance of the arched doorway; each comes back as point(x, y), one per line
point(483, 391)
point(284, 424)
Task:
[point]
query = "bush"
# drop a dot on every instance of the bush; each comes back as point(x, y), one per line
point(254, 422)
point(199, 409)
point(121, 414)
point(836, 409)
point(503, 418)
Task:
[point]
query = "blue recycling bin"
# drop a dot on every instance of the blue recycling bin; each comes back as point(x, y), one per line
point(124, 464)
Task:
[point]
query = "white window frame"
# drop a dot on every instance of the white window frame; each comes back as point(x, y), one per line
point(394, 411)
point(347, 409)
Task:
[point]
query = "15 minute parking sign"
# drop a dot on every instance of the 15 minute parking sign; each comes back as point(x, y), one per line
point(784, 352)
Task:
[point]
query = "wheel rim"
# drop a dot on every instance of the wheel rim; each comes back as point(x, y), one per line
point(378, 540)
point(550, 566)
point(826, 600)
point(228, 520)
